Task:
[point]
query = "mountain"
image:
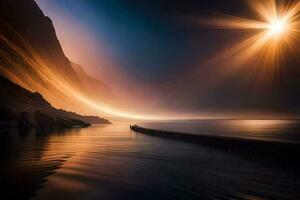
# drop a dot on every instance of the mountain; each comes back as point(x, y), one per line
point(96, 88)
point(19, 107)
point(24, 25)
point(32, 57)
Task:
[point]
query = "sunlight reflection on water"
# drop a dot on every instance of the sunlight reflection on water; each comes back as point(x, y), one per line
point(112, 162)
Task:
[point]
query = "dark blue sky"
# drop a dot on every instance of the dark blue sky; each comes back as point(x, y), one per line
point(150, 39)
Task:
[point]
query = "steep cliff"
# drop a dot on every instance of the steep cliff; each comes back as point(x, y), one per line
point(32, 57)
point(23, 20)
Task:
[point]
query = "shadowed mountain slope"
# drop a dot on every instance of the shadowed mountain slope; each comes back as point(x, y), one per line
point(19, 107)
point(97, 88)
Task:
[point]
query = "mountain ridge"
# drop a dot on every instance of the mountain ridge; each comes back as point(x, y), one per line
point(96, 87)
point(20, 107)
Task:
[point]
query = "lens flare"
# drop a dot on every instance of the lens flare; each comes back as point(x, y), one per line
point(277, 27)
point(271, 34)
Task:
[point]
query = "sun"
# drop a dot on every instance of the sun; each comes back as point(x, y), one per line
point(277, 27)
point(269, 37)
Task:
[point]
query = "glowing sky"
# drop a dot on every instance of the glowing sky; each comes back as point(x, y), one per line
point(176, 54)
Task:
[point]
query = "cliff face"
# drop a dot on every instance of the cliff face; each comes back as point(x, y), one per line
point(23, 18)
point(32, 57)
point(19, 107)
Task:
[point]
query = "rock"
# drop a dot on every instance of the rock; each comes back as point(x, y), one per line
point(24, 122)
point(43, 120)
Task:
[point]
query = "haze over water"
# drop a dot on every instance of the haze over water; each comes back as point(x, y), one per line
point(112, 162)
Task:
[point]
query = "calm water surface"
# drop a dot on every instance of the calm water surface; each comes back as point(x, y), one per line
point(270, 130)
point(112, 162)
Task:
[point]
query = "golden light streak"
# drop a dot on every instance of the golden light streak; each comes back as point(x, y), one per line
point(35, 74)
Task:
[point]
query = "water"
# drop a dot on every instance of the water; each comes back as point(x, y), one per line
point(112, 162)
point(267, 130)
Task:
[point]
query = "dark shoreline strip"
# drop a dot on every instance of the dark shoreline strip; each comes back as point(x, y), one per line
point(275, 150)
